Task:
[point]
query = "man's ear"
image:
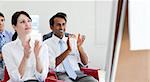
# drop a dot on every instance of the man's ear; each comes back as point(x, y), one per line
point(51, 27)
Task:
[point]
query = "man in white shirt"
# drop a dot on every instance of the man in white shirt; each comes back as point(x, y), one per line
point(67, 49)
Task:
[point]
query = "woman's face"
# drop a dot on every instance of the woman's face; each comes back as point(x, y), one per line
point(23, 26)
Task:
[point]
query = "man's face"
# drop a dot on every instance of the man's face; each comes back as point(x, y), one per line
point(1, 23)
point(59, 27)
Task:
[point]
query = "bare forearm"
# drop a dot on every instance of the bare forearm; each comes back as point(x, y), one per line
point(22, 66)
point(60, 58)
point(83, 56)
point(39, 66)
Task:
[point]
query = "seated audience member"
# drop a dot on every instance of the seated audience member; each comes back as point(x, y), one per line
point(5, 37)
point(26, 59)
point(67, 51)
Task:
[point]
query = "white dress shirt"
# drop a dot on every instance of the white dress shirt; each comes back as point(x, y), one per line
point(54, 50)
point(13, 53)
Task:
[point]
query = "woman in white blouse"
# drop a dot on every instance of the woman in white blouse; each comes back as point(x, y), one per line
point(24, 61)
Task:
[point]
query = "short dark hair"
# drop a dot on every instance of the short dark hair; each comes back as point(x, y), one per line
point(59, 14)
point(2, 15)
point(14, 21)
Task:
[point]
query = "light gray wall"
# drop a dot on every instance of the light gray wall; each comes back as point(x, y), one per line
point(91, 18)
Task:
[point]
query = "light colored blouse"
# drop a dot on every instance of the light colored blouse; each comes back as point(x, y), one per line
point(13, 53)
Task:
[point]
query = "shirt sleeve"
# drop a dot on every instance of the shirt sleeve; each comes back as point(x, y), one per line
point(52, 58)
point(51, 55)
point(10, 64)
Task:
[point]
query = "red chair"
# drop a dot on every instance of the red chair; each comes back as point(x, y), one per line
point(91, 72)
point(51, 77)
point(6, 76)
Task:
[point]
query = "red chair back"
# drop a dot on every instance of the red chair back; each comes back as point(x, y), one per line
point(51, 77)
point(6, 76)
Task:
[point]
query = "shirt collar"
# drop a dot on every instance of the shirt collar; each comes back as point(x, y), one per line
point(56, 39)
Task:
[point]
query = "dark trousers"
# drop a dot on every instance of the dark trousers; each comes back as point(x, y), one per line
point(32, 80)
point(81, 77)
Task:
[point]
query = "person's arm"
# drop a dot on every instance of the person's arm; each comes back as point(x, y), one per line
point(62, 56)
point(25, 58)
point(42, 61)
point(22, 66)
point(37, 48)
point(83, 55)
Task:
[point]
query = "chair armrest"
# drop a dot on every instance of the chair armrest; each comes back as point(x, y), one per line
point(52, 77)
point(91, 72)
point(49, 79)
